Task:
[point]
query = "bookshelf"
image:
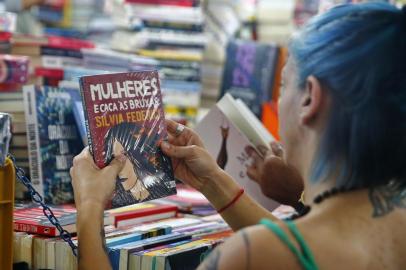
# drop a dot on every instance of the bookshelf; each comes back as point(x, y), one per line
point(7, 178)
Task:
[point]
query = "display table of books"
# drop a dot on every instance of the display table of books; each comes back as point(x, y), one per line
point(161, 233)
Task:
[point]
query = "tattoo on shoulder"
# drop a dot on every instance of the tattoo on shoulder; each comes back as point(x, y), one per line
point(247, 249)
point(386, 198)
point(212, 262)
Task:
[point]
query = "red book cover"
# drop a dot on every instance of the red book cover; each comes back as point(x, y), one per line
point(144, 212)
point(69, 43)
point(32, 220)
point(49, 72)
point(182, 3)
point(124, 115)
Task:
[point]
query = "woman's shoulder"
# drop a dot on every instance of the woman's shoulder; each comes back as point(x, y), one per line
point(255, 247)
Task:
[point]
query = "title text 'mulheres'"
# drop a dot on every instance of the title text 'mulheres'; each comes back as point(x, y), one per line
point(124, 89)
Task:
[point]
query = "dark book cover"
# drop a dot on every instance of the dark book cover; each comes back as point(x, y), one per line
point(181, 3)
point(249, 72)
point(124, 114)
point(53, 141)
point(52, 51)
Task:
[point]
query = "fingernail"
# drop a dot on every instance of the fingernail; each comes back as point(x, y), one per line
point(165, 145)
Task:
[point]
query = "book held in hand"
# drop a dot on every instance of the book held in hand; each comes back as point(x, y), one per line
point(124, 115)
point(227, 131)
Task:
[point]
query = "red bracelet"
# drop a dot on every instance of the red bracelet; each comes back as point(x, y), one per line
point(239, 194)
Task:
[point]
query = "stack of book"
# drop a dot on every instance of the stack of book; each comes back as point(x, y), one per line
point(7, 26)
point(13, 74)
point(275, 20)
point(67, 17)
point(222, 24)
point(75, 19)
point(189, 201)
point(49, 55)
point(144, 234)
point(103, 59)
point(52, 11)
point(171, 32)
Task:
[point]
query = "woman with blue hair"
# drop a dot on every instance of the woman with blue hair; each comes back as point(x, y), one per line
point(343, 127)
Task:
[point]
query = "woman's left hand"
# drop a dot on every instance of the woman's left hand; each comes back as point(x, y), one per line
point(277, 180)
point(91, 184)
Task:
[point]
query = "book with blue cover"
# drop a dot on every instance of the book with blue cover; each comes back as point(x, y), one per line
point(249, 72)
point(53, 141)
point(119, 254)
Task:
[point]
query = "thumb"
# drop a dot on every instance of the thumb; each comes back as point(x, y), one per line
point(277, 149)
point(116, 165)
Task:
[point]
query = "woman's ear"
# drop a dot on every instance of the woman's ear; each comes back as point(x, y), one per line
point(311, 101)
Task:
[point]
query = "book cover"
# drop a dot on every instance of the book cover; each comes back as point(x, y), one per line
point(149, 213)
point(53, 141)
point(185, 256)
point(32, 220)
point(124, 114)
point(119, 254)
point(227, 144)
point(13, 69)
point(249, 72)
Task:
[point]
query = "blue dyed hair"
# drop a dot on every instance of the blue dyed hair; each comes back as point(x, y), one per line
point(358, 53)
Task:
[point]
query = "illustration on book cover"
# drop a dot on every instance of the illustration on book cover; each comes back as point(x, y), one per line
point(124, 115)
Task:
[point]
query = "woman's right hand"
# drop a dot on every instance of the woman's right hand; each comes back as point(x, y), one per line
point(191, 162)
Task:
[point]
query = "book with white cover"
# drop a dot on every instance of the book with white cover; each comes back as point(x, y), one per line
point(227, 130)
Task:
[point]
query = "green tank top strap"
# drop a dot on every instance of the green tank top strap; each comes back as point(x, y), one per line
point(304, 255)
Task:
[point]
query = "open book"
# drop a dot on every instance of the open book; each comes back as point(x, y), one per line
point(227, 130)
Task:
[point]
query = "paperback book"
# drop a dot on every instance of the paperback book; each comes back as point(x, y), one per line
point(227, 131)
point(249, 72)
point(124, 115)
point(53, 141)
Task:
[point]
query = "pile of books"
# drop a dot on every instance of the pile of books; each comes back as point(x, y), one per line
point(13, 74)
point(275, 20)
point(37, 60)
point(69, 18)
point(136, 237)
point(53, 12)
point(7, 26)
point(49, 55)
point(222, 24)
point(172, 33)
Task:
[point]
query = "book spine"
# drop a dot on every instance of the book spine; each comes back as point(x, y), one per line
point(89, 137)
point(33, 228)
point(49, 61)
point(181, 3)
point(154, 25)
point(33, 139)
point(60, 52)
point(123, 222)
